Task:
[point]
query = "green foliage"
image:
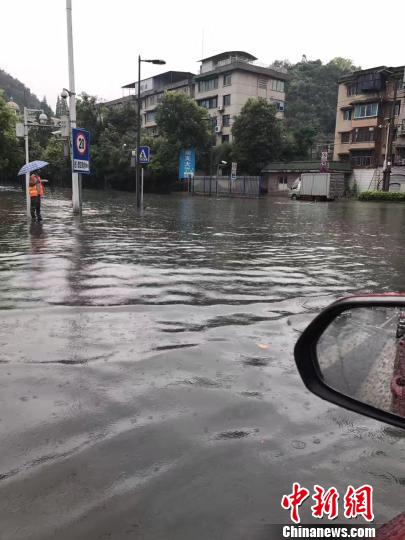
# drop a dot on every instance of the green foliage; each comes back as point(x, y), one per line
point(89, 115)
point(11, 151)
point(312, 93)
point(58, 170)
point(258, 136)
point(381, 196)
point(297, 143)
point(182, 122)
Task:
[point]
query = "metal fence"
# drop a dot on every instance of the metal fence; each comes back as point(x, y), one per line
point(223, 186)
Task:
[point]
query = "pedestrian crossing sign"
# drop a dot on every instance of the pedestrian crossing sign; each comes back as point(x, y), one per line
point(144, 154)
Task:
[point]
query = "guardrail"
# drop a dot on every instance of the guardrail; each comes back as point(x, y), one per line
point(223, 186)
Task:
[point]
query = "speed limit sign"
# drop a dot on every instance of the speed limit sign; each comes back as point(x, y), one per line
point(81, 147)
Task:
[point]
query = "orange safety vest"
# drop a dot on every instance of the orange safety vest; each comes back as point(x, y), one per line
point(35, 187)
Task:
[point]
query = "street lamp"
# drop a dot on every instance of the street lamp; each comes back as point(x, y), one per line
point(138, 131)
point(222, 162)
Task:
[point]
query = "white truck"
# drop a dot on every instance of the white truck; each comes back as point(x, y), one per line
point(318, 186)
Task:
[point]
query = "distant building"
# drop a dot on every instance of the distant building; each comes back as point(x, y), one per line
point(365, 100)
point(13, 106)
point(152, 90)
point(279, 176)
point(227, 80)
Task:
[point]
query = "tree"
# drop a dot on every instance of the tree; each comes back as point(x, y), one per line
point(298, 143)
point(257, 136)
point(89, 115)
point(11, 153)
point(59, 168)
point(312, 93)
point(182, 122)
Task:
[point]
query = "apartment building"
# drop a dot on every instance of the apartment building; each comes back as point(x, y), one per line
point(152, 90)
point(365, 101)
point(227, 80)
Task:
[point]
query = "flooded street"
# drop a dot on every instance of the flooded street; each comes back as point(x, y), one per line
point(147, 382)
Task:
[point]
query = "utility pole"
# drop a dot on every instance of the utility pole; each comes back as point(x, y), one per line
point(138, 175)
point(138, 138)
point(27, 159)
point(390, 138)
point(72, 106)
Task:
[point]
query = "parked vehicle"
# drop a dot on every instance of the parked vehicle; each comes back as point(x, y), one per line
point(318, 186)
point(375, 367)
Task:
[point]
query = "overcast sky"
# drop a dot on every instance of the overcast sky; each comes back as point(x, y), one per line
point(108, 35)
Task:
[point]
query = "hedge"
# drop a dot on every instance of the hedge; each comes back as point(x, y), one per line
point(381, 196)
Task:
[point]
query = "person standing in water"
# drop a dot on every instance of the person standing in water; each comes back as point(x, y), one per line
point(36, 191)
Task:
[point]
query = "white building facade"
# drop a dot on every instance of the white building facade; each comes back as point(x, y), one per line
point(227, 80)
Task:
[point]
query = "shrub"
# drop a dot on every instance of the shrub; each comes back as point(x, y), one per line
point(381, 196)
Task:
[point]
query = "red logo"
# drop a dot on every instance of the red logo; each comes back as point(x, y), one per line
point(81, 143)
point(294, 501)
point(357, 502)
point(326, 502)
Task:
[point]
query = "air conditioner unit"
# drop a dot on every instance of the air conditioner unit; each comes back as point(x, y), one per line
point(220, 108)
point(218, 129)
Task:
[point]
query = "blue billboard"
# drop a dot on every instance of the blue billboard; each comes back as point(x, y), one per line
point(187, 163)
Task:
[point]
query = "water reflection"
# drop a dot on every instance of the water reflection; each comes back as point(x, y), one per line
point(154, 378)
point(362, 355)
point(194, 250)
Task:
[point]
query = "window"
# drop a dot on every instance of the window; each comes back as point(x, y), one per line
point(225, 138)
point(228, 79)
point(226, 120)
point(347, 114)
point(150, 116)
point(152, 131)
point(209, 103)
point(345, 137)
point(363, 135)
point(352, 89)
point(397, 108)
point(262, 83)
point(363, 158)
point(227, 100)
point(276, 85)
point(279, 105)
point(365, 110)
point(159, 97)
point(212, 122)
point(282, 183)
point(208, 84)
point(150, 100)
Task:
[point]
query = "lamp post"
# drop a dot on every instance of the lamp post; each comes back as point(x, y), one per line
point(72, 104)
point(27, 122)
point(138, 128)
point(220, 164)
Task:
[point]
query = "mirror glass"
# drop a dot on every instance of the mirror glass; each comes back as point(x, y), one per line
point(362, 355)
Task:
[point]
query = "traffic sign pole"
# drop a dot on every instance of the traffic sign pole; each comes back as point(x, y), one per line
point(141, 188)
point(72, 105)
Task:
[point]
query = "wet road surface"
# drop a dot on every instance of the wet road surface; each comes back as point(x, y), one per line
point(147, 382)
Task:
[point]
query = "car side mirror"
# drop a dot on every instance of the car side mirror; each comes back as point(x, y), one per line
point(353, 355)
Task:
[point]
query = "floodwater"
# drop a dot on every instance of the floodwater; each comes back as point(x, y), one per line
point(147, 382)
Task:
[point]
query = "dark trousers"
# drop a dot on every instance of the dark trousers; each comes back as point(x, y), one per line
point(36, 207)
